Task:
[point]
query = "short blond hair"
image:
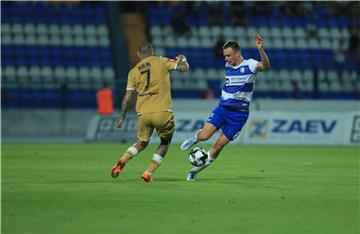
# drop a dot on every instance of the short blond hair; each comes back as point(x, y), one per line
point(146, 49)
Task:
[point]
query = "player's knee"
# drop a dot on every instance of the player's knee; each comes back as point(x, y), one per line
point(165, 140)
point(141, 145)
point(144, 144)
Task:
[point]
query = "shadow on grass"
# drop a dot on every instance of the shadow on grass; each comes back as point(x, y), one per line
point(132, 180)
point(240, 179)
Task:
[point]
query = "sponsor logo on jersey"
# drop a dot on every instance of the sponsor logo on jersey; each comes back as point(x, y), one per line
point(235, 80)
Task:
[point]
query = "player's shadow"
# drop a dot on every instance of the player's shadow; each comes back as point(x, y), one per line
point(163, 179)
point(232, 180)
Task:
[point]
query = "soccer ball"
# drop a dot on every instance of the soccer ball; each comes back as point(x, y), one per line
point(198, 156)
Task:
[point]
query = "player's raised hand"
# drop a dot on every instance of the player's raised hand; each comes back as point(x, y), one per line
point(182, 65)
point(181, 57)
point(119, 122)
point(259, 41)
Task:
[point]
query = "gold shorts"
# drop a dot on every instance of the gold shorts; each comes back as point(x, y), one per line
point(163, 122)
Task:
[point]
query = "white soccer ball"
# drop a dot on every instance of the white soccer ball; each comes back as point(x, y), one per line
point(198, 156)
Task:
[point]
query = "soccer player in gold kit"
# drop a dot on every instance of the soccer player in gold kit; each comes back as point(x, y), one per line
point(150, 78)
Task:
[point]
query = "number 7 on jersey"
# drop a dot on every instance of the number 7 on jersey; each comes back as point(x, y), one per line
point(147, 78)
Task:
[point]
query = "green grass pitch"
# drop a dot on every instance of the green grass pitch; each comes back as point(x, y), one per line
point(67, 188)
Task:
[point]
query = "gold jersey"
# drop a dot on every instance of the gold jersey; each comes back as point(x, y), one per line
point(151, 79)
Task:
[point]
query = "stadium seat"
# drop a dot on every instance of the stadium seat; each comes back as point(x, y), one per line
point(19, 39)
point(263, 31)
point(71, 73)
point(104, 41)
point(155, 31)
point(9, 73)
point(199, 74)
point(90, 29)
point(323, 32)
point(77, 29)
point(194, 42)
point(47, 72)
point(169, 41)
point(228, 32)
point(215, 31)
point(289, 43)
point(206, 42)
point(41, 29)
point(17, 28)
point(204, 31)
point(299, 32)
point(335, 32)
point(182, 41)
point(54, 29)
point(275, 32)
point(288, 32)
point(6, 28)
point(6, 39)
point(325, 43)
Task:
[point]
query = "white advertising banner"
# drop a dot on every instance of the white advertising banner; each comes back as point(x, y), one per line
point(318, 128)
point(187, 123)
point(352, 128)
point(322, 128)
point(102, 128)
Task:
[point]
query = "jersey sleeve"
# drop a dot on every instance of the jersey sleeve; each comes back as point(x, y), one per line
point(170, 63)
point(131, 84)
point(252, 65)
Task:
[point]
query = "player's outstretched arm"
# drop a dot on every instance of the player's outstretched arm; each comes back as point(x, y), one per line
point(182, 65)
point(265, 63)
point(124, 106)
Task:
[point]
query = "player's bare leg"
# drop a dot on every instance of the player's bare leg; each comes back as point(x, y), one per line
point(157, 159)
point(127, 156)
point(201, 135)
point(213, 153)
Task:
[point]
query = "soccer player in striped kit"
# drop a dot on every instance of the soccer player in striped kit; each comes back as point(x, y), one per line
point(233, 110)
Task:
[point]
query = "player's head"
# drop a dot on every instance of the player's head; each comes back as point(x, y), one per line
point(145, 50)
point(232, 53)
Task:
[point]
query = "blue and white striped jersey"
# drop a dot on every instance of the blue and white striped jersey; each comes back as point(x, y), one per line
point(239, 84)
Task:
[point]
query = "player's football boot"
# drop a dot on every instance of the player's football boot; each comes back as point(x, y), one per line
point(117, 168)
point(188, 143)
point(191, 176)
point(146, 176)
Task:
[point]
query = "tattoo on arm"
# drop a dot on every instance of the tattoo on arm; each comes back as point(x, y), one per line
point(126, 102)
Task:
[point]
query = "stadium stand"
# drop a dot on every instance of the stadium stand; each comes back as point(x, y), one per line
point(49, 50)
point(300, 47)
point(56, 55)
